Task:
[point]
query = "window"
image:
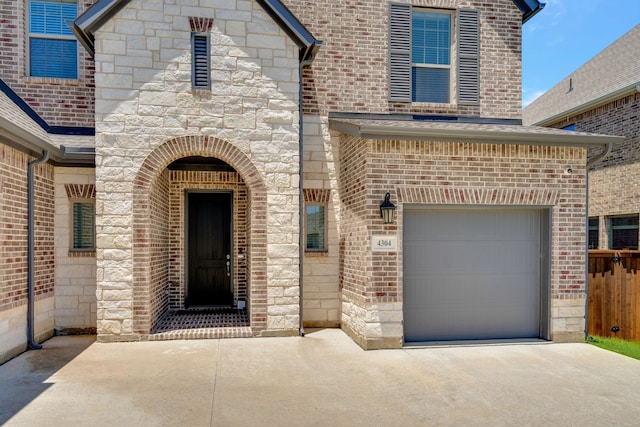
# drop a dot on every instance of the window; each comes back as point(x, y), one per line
point(420, 63)
point(430, 56)
point(316, 228)
point(53, 50)
point(200, 67)
point(594, 233)
point(83, 226)
point(623, 232)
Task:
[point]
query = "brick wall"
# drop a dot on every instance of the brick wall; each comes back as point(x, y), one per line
point(350, 72)
point(452, 174)
point(61, 102)
point(159, 232)
point(612, 188)
point(13, 228)
point(13, 250)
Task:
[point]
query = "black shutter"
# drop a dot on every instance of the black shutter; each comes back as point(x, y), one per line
point(400, 52)
point(468, 56)
point(200, 77)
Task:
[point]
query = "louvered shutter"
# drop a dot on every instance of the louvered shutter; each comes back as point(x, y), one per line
point(400, 52)
point(468, 57)
point(200, 77)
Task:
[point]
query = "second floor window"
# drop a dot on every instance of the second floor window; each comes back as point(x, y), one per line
point(421, 68)
point(430, 56)
point(53, 50)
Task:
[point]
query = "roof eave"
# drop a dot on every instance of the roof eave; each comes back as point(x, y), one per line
point(305, 41)
point(529, 8)
point(22, 140)
point(478, 136)
point(85, 25)
point(625, 91)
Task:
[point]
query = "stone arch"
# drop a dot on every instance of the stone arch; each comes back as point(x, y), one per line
point(149, 175)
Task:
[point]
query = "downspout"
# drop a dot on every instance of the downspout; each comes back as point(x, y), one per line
point(590, 163)
point(30, 251)
point(302, 242)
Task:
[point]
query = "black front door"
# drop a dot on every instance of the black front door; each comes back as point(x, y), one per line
point(209, 249)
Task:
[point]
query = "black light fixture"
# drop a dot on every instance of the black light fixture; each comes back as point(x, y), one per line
point(387, 210)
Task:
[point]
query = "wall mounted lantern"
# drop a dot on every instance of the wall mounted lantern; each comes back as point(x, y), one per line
point(387, 210)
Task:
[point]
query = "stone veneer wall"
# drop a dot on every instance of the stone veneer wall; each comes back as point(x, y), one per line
point(611, 188)
point(13, 251)
point(61, 102)
point(147, 116)
point(75, 283)
point(321, 291)
point(453, 174)
point(350, 72)
point(207, 180)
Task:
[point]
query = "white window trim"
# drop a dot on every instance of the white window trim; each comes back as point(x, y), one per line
point(31, 35)
point(452, 66)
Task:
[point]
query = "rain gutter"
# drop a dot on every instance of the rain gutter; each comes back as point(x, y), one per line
point(23, 140)
point(307, 58)
point(30, 251)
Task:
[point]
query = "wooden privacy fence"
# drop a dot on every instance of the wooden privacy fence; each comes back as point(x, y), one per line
point(614, 294)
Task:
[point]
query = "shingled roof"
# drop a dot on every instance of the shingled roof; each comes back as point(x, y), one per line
point(611, 74)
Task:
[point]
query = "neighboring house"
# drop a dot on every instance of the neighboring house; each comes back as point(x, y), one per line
point(242, 150)
point(603, 96)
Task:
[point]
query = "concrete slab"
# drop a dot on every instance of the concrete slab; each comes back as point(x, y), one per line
point(321, 379)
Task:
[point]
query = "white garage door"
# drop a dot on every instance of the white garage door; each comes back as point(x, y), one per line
point(472, 273)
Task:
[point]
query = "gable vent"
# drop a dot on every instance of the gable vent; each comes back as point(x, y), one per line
point(201, 64)
point(468, 56)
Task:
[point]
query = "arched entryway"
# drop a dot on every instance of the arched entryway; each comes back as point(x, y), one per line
point(161, 195)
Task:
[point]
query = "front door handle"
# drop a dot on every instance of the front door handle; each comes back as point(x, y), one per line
point(228, 265)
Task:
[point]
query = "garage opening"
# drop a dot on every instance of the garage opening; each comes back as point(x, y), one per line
point(475, 273)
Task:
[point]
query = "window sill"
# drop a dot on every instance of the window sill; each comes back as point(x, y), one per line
point(82, 253)
point(434, 104)
point(315, 253)
point(52, 81)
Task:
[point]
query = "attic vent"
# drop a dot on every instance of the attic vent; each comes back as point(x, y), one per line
point(201, 65)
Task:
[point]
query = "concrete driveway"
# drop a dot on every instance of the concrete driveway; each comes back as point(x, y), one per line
point(323, 379)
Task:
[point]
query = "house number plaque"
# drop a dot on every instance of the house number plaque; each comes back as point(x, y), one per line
point(384, 243)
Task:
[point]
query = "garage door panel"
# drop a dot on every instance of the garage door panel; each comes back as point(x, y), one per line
point(471, 274)
point(478, 257)
point(446, 323)
point(447, 289)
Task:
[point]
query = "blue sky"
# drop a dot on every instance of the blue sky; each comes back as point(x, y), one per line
point(566, 34)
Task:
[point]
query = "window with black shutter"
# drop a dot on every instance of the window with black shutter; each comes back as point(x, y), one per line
point(420, 55)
